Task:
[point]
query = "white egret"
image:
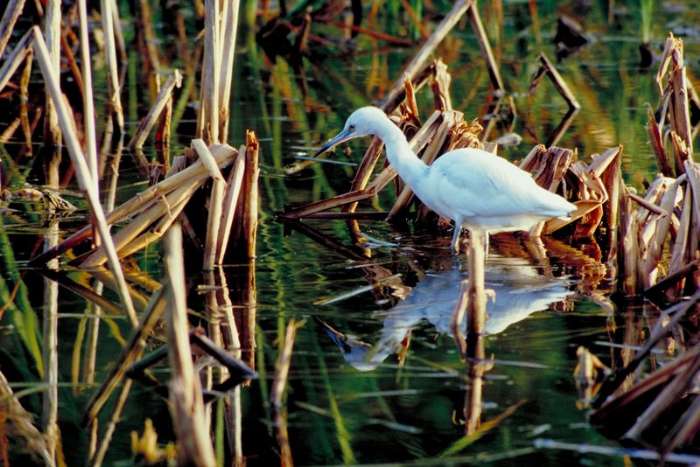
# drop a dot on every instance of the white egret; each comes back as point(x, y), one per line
point(478, 190)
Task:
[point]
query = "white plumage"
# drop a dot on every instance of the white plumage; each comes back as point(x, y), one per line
point(476, 189)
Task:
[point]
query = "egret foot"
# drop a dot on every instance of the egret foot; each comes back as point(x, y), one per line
point(456, 237)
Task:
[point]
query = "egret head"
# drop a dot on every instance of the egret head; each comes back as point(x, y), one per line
point(364, 121)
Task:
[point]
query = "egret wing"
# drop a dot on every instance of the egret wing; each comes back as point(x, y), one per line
point(477, 183)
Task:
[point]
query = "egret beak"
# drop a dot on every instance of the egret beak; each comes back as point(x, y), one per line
point(341, 137)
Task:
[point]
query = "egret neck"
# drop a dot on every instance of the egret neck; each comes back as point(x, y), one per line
point(399, 153)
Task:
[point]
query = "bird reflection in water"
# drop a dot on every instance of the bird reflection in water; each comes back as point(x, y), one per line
point(520, 289)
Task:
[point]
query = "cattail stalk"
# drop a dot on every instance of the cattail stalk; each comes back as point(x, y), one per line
point(82, 171)
point(187, 407)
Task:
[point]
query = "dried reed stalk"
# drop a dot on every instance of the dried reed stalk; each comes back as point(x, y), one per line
point(50, 341)
point(247, 210)
point(193, 174)
point(20, 424)
point(118, 35)
point(661, 376)
point(52, 29)
point(82, 171)
point(13, 10)
point(9, 132)
point(97, 457)
point(109, 19)
point(478, 28)
point(147, 123)
point(665, 399)
point(163, 133)
point(149, 37)
point(227, 44)
point(662, 328)
point(157, 231)
point(657, 144)
point(680, 108)
point(168, 208)
point(88, 105)
point(656, 230)
point(216, 200)
point(208, 117)
point(15, 59)
point(692, 170)
point(24, 101)
point(279, 383)
point(682, 249)
point(629, 247)
point(547, 69)
point(458, 10)
point(233, 189)
point(187, 406)
point(130, 353)
point(685, 429)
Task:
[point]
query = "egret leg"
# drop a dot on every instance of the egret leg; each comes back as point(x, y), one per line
point(456, 236)
point(486, 245)
point(476, 316)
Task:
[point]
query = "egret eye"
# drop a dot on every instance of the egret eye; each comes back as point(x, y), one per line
point(351, 128)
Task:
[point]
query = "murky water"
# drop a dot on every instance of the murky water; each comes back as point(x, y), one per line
point(375, 376)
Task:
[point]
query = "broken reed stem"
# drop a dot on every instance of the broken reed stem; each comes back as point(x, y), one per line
point(7, 24)
point(157, 231)
point(146, 125)
point(88, 105)
point(195, 173)
point(82, 171)
point(460, 7)
point(15, 59)
point(187, 407)
point(170, 208)
point(216, 200)
point(247, 210)
point(114, 92)
point(661, 330)
point(558, 82)
point(669, 394)
point(228, 45)
point(208, 118)
point(233, 190)
point(486, 52)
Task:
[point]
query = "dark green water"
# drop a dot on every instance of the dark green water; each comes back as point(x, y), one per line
point(360, 403)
